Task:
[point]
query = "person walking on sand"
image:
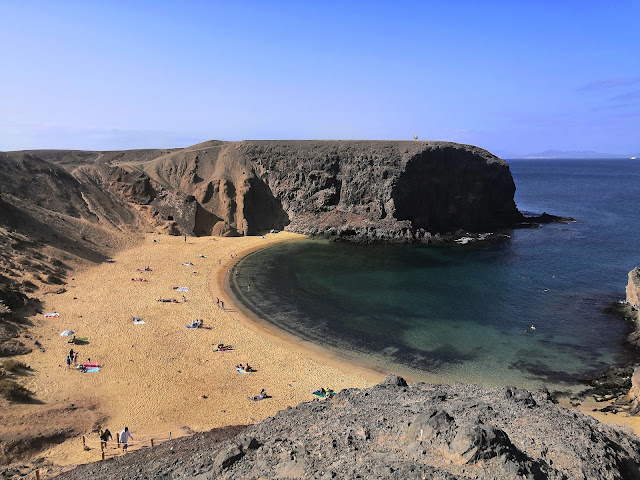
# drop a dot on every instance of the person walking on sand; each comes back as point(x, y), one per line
point(104, 436)
point(185, 239)
point(125, 436)
point(68, 362)
point(75, 358)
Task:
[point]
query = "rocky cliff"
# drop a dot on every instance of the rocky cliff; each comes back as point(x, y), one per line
point(395, 430)
point(633, 288)
point(359, 190)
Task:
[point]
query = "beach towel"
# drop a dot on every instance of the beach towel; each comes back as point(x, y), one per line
point(188, 264)
point(330, 393)
point(139, 322)
point(90, 365)
point(92, 370)
point(182, 289)
point(240, 370)
point(224, 350)
point(49, 315)
point(136, 319)
point(192, 326)
point(257, 398)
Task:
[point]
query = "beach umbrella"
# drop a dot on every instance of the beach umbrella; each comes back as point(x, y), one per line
point(66, 333)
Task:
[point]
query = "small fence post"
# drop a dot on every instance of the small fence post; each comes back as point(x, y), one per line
point(37, 474)
point(152, 442)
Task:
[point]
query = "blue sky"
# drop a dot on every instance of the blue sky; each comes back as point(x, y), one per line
point(510, 76)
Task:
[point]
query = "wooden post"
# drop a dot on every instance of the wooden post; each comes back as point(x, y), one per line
point(152, 442)
point(169, 435)
point(84, 441)
point(103, 454)
point(37, 474)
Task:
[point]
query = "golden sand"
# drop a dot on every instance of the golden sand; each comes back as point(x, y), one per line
point(162, 377)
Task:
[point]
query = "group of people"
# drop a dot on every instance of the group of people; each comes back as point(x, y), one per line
point(123, 438)
point(197, 323)
point(72, 358)
point(220, 304)
point(244, 369)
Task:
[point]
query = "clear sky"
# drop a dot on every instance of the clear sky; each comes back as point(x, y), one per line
point(511, 76)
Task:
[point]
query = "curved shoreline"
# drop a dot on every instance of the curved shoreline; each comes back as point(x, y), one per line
point(174, 382)
point(253, 321)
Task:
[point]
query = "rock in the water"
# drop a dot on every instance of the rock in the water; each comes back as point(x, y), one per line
point(633, 291)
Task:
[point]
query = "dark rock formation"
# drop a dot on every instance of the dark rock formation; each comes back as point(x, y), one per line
point(395, 430)
point(358, 190)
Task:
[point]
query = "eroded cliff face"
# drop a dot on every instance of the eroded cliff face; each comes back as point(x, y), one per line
point(358, 190)
point(633, 288)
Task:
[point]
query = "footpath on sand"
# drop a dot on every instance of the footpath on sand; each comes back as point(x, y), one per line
point(158, 377)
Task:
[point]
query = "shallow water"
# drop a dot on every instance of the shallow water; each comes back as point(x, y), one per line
point(460, 313)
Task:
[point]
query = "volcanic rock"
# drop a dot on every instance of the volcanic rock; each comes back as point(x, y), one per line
point(395, 430)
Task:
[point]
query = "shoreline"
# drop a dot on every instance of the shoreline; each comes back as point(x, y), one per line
point(160, 376)
point(587, 406)
point(253, 321)
point(154, 395)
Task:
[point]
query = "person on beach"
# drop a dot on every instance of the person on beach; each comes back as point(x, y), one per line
point(218, 303)
point(71, 353)
point(185, 239)
point(184, 299)
point(125, 436)
point(248, 287)
point(75, 358)
point(104, 436)
point(221, 305)
point(68, 362)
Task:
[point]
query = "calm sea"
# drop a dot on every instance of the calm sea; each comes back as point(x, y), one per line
point(461, 313)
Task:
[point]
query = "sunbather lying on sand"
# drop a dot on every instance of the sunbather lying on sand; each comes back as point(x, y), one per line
point(139, 279)
point(261, 396)
point(188, 264)
point(223, 348)
point(145, 269)
point(164, 300)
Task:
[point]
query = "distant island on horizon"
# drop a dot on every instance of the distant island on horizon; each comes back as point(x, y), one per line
point(560, 154)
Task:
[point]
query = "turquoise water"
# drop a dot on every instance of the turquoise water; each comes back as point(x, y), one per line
point(459, 313)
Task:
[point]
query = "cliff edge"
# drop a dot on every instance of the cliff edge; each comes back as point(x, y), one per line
point(392, 191)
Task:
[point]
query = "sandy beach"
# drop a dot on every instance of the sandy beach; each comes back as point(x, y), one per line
point(161, 377)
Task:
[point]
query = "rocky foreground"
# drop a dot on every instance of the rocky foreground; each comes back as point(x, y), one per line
point(395, 430)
